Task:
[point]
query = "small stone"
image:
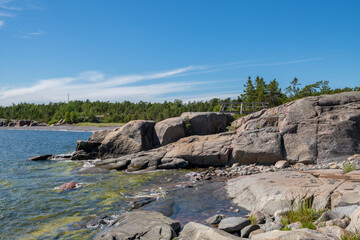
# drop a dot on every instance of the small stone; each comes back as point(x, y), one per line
point(259, 217)
point(281, 164)
point(295, 225)
point(67, 186)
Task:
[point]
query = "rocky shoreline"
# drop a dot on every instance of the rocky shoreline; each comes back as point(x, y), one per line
point(276, 160)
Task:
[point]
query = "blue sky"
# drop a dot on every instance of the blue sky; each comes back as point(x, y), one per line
point(164, 50)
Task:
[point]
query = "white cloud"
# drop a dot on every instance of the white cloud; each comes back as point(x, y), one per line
point(6, 14)
point(2, 23)
point(30, 35)
point(94, 86)
point(4, 4)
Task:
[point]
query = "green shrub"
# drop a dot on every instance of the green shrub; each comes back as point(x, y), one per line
point(349, 167)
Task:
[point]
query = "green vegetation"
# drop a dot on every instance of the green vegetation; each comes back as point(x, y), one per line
point(304, 213)
point(187, 126)
point(252, 219)
point(350, 237)
point(122, 112)
point(349, 167)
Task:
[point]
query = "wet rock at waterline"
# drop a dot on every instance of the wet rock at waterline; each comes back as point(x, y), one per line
point(67, 186)
point(41, 157)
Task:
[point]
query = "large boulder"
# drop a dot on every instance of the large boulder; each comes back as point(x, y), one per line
point(299, 234)
point(2, 122)
point(22, 123)
point(197, 231)
point(355, 221)
point(133, 137)
point(204, 123)
point(170, 130)
point(202, 151)
point(309, 130)
point(145, 225)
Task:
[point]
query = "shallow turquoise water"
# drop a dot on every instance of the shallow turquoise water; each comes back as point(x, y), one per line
point(29, 206)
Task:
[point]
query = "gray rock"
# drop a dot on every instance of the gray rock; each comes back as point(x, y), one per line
point(214, 219)
point(300, 234)
point(97, 221)
point(87, 146)
point(202, 151)
point(41, 157)
point(329, 215)
point(282, 164)
point(259, 217)
point(233, 224)
point(170, 130)
point(355, 221)
point(312, 130)
point(133, 137)
point(99, 136)
point(270, 226)
point(197, 231)
point(172, 163)
point(245, 232)
point(141, 202)
point(145, 225)
point(204, 123)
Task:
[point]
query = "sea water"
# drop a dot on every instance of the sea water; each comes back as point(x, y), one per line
point(30, 208)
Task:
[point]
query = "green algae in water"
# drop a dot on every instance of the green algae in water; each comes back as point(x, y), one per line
point(104, 195)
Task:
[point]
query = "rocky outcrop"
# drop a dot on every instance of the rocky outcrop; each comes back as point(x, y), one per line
point(145, 225)
point(309, 130)
point(141, 135)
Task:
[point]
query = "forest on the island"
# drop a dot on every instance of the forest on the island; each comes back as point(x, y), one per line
point(257, 90)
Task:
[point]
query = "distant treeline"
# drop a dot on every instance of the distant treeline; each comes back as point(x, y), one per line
point(256, 90)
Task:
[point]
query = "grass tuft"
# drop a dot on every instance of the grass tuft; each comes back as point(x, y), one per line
point(349, 167)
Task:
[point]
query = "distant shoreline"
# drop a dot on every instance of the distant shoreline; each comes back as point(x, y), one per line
point(69, 128)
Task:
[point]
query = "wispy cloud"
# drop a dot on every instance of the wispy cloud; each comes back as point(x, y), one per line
point(30, 34)
point(96, 85)
point(2, 23)
point(8, 5)
point(6, 14)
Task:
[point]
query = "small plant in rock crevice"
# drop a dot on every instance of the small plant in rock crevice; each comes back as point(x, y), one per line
point(253, 220)
point(349, 167)
point(303, 212)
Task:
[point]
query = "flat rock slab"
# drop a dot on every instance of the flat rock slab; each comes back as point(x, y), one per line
point(233, 224)
point(149, 225)
point(197, 231)
point(300, 234)
point(269, 192)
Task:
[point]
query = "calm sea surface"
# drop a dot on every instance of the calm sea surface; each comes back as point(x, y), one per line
point(31, 209)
